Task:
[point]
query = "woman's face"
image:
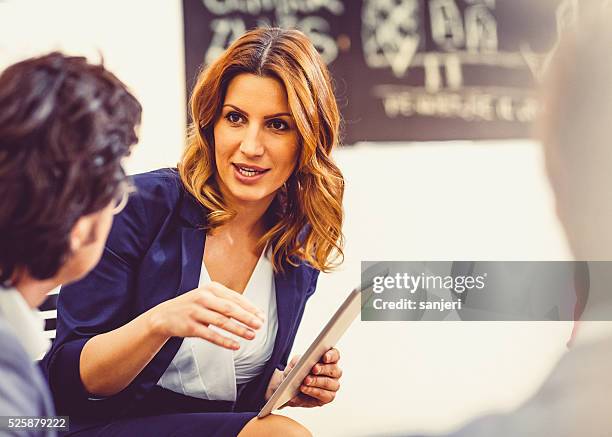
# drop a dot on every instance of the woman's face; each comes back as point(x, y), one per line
point(256, 140)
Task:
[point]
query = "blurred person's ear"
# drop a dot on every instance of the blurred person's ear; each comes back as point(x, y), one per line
point(82, 232)
point(87, 239)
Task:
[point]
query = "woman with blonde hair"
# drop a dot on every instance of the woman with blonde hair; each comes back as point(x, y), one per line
point(192, 312)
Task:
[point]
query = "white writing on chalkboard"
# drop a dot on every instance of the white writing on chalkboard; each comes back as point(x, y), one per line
point(287, 13)
point(458, 34)
point(256, 7)
point(472, 104)
point(469, 67)
point(475, 30)
point(392, 32)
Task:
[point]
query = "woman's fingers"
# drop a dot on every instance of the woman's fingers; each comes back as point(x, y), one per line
point(202, 331)
point(325, 396)
point(323, 382)
point(225, 293)
point(229, 308)
point(190, 314)
point(293, 361)
point(208, 317)
point(321, 385)
point(331, 356)
point(331, 370)
point(291, 365)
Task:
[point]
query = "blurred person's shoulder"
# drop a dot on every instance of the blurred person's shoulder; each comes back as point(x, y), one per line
point(21, 391)
point(12, 351)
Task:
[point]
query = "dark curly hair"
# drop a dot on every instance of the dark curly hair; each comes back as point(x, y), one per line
point(65, 125)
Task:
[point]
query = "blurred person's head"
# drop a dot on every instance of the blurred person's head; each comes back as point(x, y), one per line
point(65, 126)
point(264, 122)
point(576, 130)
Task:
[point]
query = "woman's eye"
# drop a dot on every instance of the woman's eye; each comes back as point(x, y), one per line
point(233, 117)
point(279, 124)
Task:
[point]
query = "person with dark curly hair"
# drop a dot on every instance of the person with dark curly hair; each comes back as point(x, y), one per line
point(65, 125)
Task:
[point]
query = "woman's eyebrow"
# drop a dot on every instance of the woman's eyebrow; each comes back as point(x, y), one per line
point(279, 114)
point(236, 108)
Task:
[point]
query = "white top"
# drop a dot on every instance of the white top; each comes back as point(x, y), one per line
point(206, 371)
point(27, 323)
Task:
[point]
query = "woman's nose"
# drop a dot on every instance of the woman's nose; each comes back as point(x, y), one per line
point(252, 144)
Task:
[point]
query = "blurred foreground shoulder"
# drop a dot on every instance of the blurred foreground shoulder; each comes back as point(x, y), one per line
point(21, 390)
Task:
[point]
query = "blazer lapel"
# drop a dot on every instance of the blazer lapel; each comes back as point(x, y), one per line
point(193, 238)
point(286, 298)
point(192, 251)
point(286, 308)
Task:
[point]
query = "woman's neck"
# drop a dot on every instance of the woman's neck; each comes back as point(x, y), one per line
point(249, 218)
point(247, 222)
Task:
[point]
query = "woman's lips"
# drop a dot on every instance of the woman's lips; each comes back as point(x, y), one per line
point(248, 174)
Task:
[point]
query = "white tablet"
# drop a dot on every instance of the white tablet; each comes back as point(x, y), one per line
point(329, 336)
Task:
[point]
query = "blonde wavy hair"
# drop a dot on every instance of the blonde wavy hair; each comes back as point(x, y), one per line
point(305, 218)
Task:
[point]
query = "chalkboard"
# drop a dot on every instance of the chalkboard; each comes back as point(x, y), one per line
point(407, 70)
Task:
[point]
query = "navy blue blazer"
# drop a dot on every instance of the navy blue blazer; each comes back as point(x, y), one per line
point(154, 253)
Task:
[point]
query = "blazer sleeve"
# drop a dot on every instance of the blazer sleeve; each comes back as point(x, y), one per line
point(98, 303)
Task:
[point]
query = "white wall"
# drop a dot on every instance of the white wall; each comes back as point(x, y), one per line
point(437, 201)
point(445, 201)
point(141, 42)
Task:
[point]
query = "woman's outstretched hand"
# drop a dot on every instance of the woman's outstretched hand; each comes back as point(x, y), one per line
point(319, 387)
point(193, 313)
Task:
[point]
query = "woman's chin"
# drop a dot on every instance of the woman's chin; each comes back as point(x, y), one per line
point(249, 195)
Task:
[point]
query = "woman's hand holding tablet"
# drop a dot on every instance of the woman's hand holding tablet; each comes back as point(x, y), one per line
point(318, 388)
